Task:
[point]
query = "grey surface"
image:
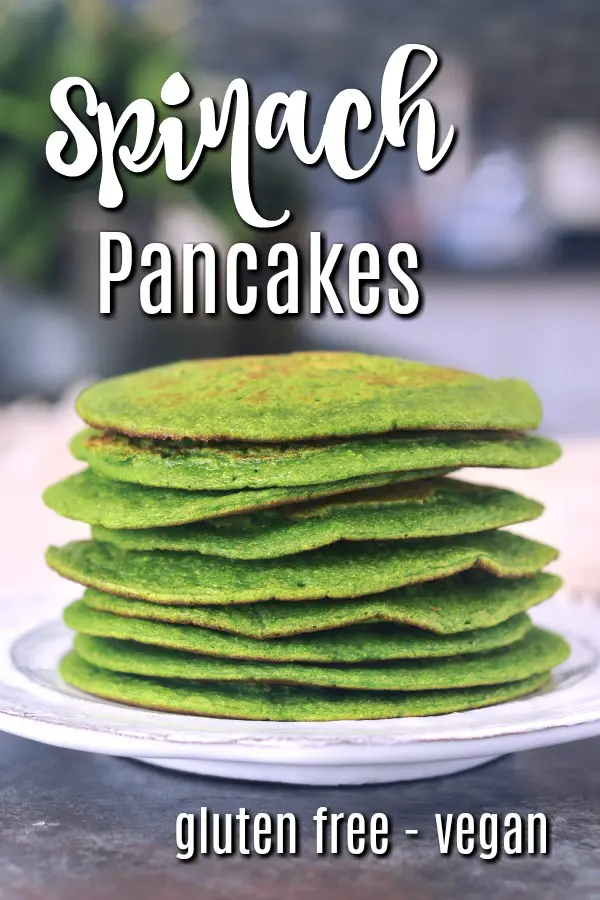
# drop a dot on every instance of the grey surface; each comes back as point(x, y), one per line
point(74, 825)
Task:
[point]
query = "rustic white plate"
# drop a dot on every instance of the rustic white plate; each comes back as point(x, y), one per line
point(35, 703)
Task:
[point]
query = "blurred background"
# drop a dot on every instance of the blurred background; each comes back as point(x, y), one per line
point(508, 229)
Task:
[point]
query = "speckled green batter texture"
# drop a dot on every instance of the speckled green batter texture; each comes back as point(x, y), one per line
point(537, 652)
point(90, 498)
point(358, 643)
point(469, 600)
point(280, 703)
point(337, 571)
point(304, 395)
point(429, 508)
point(199, 466)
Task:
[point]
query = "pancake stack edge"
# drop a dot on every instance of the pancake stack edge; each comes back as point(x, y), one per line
point(285, 538)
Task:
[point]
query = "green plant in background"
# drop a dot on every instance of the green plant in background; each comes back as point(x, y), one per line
point(124, 57)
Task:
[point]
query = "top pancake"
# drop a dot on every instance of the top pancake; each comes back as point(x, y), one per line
point(304, 395)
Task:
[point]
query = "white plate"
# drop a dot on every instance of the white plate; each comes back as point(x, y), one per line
point(35, 703)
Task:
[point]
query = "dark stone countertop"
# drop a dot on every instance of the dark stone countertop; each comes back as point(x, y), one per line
point(75, 826)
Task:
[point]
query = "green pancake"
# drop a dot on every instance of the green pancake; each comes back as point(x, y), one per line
point(279, 703)
point(467, 601)
point(337, 571)
point(198, 466)
point(537, 652)
point(429, 508)
point(304, 395)
point(90, 498)
point(348, 645)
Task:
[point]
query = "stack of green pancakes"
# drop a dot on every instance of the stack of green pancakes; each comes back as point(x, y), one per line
point(283, 538)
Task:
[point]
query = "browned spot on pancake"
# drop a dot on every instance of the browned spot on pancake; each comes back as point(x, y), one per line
point(258, 397)
point(415, 377)
point(167, 398)
point(99, 440)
